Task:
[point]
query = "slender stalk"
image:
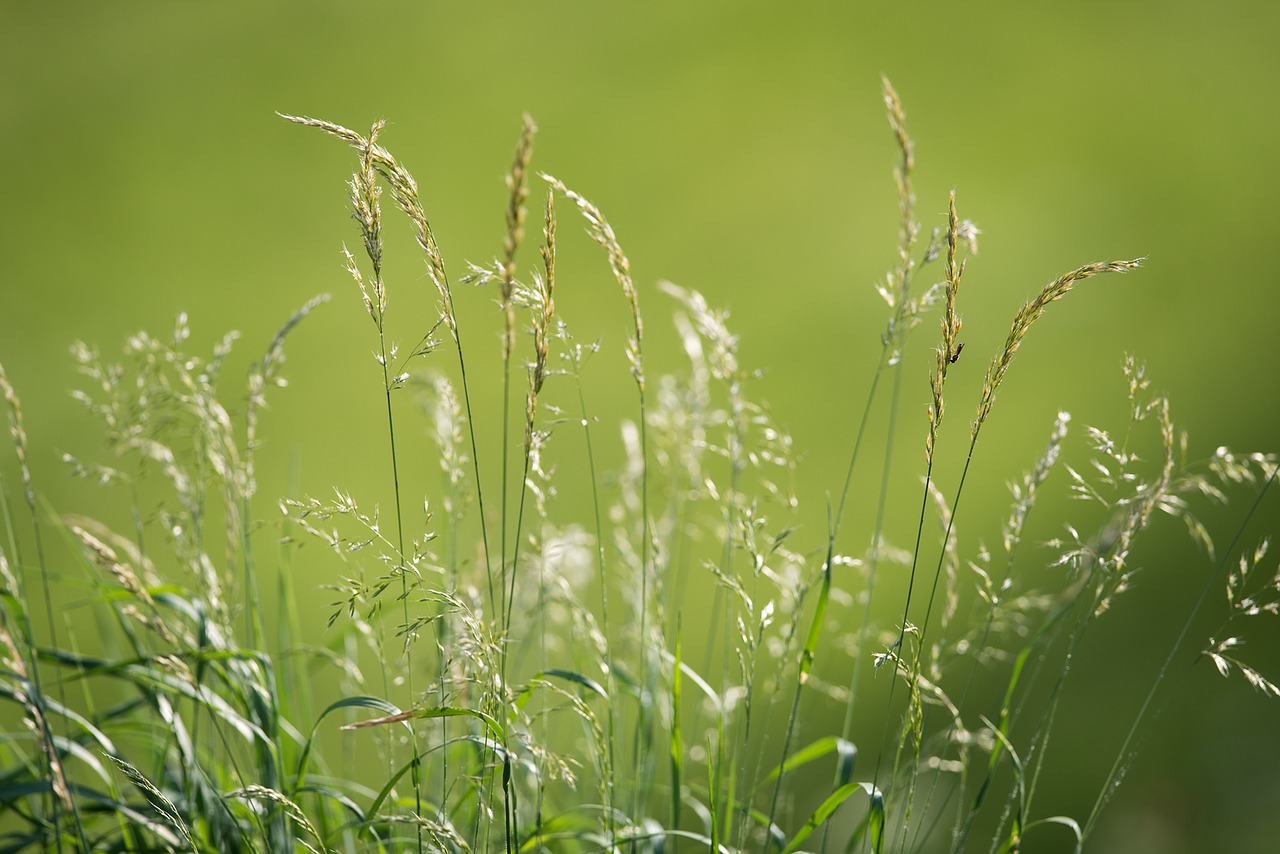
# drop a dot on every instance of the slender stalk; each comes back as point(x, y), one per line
point(873, 559)
point(59, 794)
point(602, 232)
point(611, 682)
point(1123, 756)
point(807, 655)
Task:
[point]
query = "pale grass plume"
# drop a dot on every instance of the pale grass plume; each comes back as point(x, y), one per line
point(404, 190)
point(35, 719)
point(365, 196)
point(895, 290)
point(543, 306)
point(949, 352)
point(447, 419)
point(166, 808)
point(896, 286)
point(366, 210)
point(1026, 491)
point(256, 792)
point(375, 305)
point(602, 232)
point(539, 480)
point(162, 407)
point(518, 187)
point(711, 326)
point(682, 412)
point(1124, 485)
point(908, 228)
point(569, 554)
point(1246, 601)
point(19, 435)
point(1219, 653)
point(1265, 600)
point(1022, 322)
point(950, 322)
point(9, 585)
point(106, 558)
point(267, 372)
point(1230, 467)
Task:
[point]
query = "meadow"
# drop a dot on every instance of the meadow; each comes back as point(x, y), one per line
point(600, 621)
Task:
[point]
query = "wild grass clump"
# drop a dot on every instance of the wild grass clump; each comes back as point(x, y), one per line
point(498, 674)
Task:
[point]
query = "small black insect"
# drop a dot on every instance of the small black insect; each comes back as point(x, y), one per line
point(956, 354)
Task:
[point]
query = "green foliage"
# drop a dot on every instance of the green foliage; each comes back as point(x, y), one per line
point(502, 678)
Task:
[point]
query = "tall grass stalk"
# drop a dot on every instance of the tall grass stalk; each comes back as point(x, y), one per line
point(27, 666)
point(602, 232)
point(906, 313)
point(682, 703)
point(404, 190)
point(1125, 755)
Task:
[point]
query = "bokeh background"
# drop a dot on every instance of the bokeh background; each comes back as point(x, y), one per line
point(739, 148)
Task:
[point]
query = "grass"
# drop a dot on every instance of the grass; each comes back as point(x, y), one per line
point(659, 674)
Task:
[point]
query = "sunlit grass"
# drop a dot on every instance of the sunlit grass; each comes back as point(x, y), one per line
point(495, 674)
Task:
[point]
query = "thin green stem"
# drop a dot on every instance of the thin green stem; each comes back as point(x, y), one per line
point(893, 656)
point(1123, 757)
point(873, 557)
point(913, 682)
point(52, 762)
point(644, 728)
point(504, 607)
point(807, 656)
point(475, 463)
point(610, 678)
point(857, 446)
point(415, 771)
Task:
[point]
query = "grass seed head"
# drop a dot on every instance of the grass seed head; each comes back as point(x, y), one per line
point(1025, 318)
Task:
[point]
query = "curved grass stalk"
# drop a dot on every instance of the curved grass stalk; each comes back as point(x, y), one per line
point(263, 373)
point(1124, 756)
point(904, 316)
point(611, 679)
point(944, 358)
point(602, 232)
point(59, 794)
point(807, 656)
point(404, 191)
point(576, 357)
point(946, 355)
point(1013, 537)
point(1105, 555)
point(518, 186)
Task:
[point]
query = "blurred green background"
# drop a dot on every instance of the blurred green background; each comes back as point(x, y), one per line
point(740, 149)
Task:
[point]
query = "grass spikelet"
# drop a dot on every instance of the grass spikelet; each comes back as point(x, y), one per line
point(31, 693)
point(543, 313)
point(518, 187)
point(28, 695)
point(106, 558)
point(366, 209)
point(602, 232)
point(161, 804)
point(950, 350)
point(18, 433)
point(908, 228)
point(267, 371)
point(950, 322)
point(404, 189)
point(535, 716)
point(1028, 315)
